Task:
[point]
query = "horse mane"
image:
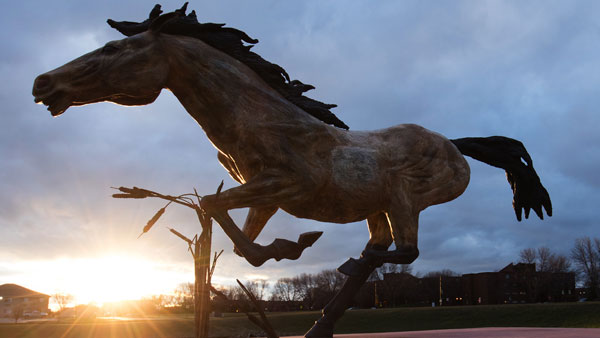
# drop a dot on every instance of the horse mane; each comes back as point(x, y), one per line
point(231, 41)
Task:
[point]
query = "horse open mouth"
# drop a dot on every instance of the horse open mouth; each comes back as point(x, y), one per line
point(57, 103)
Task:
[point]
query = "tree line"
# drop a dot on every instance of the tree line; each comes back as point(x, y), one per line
point(312, 291)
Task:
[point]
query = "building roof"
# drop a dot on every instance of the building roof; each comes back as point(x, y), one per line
point(14, 290)
point(519, 267)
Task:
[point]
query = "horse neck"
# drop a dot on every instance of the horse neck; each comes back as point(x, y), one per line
point(223, 95)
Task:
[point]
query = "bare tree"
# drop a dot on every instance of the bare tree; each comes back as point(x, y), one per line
point(184, 295)
point(586, 255)
point(330, 281)
point(326, 285)
point(263, 286)
point(162, 301)
point(545, 260)
point(17, 312)
point(257, 287)
point(227, 291)
point(560, 263)
point(442, 273)
point(305, 286)
point(285, 290)
point(528, 256)
point(397, 268)
point(62, 300)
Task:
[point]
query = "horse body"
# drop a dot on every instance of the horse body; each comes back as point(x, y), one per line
point(283, 157)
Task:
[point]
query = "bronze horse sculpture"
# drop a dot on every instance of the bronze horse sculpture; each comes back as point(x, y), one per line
point(286, 150)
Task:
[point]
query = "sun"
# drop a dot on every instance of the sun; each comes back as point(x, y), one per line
point(114, 277)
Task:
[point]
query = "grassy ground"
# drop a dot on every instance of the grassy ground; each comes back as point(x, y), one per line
point(354, 321)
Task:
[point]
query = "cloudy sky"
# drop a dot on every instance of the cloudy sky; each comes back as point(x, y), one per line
point(526, 70)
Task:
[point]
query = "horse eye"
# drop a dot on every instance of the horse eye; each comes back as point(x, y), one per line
point(109, 49)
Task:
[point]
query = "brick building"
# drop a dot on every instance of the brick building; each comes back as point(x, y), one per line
point(16, 298)
point(515, 283)
point(518, 283)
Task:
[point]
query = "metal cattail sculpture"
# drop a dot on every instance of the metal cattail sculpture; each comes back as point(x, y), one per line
point(153, 220)
point(200, 248)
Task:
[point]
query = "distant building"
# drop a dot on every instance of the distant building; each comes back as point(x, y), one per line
point(512, 284)
point(451, 288)
point(14, 297)
point(515, 283)
point(518, 283)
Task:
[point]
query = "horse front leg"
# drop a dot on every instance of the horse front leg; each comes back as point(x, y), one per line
point(263, 192)
point(256, 220)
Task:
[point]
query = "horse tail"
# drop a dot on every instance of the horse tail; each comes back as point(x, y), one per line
point(510, 155)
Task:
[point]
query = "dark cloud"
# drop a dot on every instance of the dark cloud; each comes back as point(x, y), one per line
point(469, 68)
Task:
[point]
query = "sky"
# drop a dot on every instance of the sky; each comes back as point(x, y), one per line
point(529, 70)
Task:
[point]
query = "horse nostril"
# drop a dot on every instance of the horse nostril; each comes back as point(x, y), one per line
point(41, 82)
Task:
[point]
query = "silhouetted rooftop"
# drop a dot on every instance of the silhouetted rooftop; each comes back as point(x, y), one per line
point(14, 290)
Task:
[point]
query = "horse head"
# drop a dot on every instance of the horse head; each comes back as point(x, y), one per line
point(131, 71)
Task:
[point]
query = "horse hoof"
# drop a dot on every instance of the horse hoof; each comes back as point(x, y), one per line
point(352, 267)
point(398, 256)
point(254, 254)
point(410, 255)
point(309, 238)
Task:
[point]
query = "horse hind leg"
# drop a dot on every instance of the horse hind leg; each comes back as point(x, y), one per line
point(256, 220)
point(404, 226)
point(398, 225)
point(380, 239)
point(358, 272)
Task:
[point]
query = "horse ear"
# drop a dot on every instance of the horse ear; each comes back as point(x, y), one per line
point(159, 23)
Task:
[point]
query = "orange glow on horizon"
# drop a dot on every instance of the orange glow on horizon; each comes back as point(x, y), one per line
point(110, 278)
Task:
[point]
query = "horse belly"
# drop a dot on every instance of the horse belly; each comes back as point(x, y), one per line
point(334, 208)
point(352, 192)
